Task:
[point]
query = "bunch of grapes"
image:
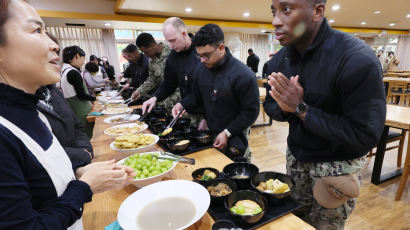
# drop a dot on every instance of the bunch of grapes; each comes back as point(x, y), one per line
point(147, 165)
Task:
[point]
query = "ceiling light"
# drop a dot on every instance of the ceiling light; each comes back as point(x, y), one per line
point(377, 12)
point(246, 14)
point(263, 31)
point(363, 23)
point(408, 16)
point(392, 24)
point(356, 34)
point(107, 24)
point(335, 7)
point(331, 20)
point(379, 35)
point(188, 9)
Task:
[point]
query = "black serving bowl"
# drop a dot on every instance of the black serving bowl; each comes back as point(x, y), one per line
point(203, 137)
point(223, 224)
point(173, 145)
point(182, 125)
point(240, 168)
point(200, 171)
point(158, 127)
point(264, 176)
point(159, 112)
point(233, 198)
point(169, 138)
point(214, 182)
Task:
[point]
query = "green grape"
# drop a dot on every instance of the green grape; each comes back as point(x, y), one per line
point(145, 171)
point(144, 167)
point(151, 168)
point(137, 172)
point(138, 166)
point(156, 172)
point(143, 176)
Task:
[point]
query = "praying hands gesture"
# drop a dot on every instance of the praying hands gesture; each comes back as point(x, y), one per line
point(288, 93)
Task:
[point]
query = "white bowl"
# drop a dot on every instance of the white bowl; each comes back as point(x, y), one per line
point(136, 202)
point(156, 139)
point(150, 180)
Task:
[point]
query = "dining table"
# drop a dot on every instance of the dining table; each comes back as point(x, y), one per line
point(396, 117)
point(103, 208)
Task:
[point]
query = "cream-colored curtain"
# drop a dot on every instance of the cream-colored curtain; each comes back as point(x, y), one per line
point(99, 42)
point(260, 46)
point(368, 41)
point(403, 52)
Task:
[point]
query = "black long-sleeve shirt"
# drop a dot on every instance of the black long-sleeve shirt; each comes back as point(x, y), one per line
point(343, 87)
point(253, 61)
point(75, 79)
point(228, 93)
point(137, 71)
point(179, 72)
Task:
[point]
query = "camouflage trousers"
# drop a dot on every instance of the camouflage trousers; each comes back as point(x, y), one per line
point(170, 101)
point(306, 175)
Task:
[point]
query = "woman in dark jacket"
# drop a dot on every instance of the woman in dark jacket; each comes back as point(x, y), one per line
point(65, 125)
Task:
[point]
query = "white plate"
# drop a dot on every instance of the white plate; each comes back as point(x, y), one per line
point(150, 180)
point(155, 141)
point(143, 127)
point(107, 112)
point(133, 205)
point(133, 117)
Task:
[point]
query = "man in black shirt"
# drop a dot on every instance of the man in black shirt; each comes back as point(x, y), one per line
point(226, 89)
point(265, 67)
point(137, 69)
point(252, 61)
point(179, 67)
point(328, 85)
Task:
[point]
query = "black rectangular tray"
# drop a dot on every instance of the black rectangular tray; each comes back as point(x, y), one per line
point(193, 147)
point(273, 212)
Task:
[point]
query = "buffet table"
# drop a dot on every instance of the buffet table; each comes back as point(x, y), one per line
point(103, 209)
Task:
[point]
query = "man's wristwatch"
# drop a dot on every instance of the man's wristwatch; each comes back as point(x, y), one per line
point(228, 134)
point(301, 108)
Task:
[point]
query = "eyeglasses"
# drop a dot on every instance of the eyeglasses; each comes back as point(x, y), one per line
point(207, 56)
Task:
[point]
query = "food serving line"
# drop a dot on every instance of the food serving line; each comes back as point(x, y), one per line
point(103, 209)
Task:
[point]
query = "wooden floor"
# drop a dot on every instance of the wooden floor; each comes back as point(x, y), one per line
point(376, 208)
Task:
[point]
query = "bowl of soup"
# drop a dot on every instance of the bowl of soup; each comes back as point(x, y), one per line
point(166, 205)
point(241, 173)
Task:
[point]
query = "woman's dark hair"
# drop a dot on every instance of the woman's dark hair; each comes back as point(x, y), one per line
point(4, 15)
point(391, 52)
point(145, 40)
point(131, 49)
point(209, 34)
point(91, 67)
point(70, 52)
point(93, 57)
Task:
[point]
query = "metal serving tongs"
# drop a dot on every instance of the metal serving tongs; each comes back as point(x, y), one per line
point(168, 129)
point(128, 101)
point(173, 157)
point(128, 116)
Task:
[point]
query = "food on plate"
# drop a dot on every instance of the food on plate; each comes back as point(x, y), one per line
point(124, 130)
point(183, 142)
point(133, 141)
point(246, 207)
point(115, 106)
point(117, 120)
point(147, 165)
point(207, 175)
point(115, 110)
point(240, 177)
point(167, 131)
point(273, 186)
point(220, 189)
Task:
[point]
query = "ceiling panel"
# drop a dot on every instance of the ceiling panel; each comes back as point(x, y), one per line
point(351, 13)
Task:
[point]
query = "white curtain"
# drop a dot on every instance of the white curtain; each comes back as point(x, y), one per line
point(260, 46)
point(99, 42)
point(403, 52)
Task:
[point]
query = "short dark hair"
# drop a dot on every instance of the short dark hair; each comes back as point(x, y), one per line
point(4, 16)
point(209, 34)
point(93, 57)
point(318, 1)
point(70, 52)
point(391, 52)
point(145, 40)
point(91, 67)
point(131, 48)
point(250, 50)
